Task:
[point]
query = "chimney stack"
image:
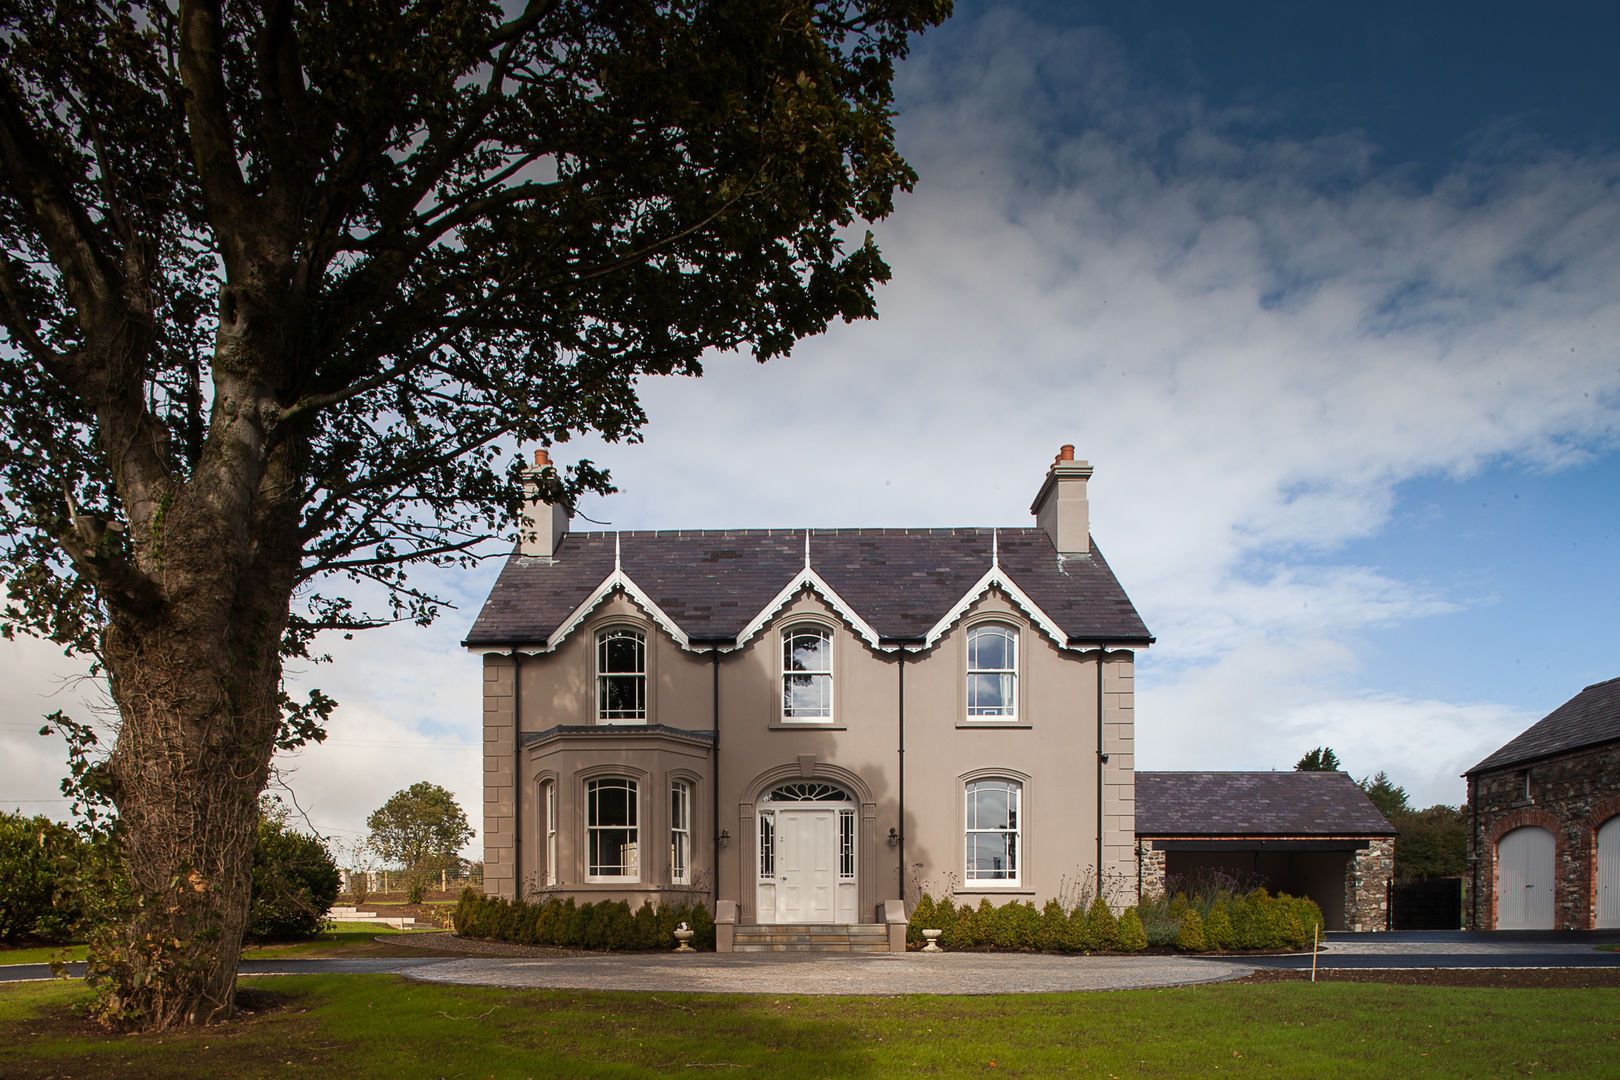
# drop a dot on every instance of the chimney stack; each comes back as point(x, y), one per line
point(544, 523)
point(1061, 508)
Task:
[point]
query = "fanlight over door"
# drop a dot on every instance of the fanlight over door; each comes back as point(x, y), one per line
point(806, 858)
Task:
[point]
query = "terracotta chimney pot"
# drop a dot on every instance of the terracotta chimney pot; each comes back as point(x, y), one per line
point(542, 458)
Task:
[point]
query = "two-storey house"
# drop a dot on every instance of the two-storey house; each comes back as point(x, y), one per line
point(802, 725)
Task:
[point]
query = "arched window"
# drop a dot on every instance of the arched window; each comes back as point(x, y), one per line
point(992, 672)
point(807, 674)
point(612, 830)
point(994, 823)
point(621, 677)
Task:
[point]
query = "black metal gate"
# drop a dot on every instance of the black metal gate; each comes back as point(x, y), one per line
point(1425, 903)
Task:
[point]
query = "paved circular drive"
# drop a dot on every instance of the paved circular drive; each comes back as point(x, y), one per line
point(882, 973)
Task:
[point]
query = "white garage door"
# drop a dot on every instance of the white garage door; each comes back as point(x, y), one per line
point(1608, 874)
point(1524, 880)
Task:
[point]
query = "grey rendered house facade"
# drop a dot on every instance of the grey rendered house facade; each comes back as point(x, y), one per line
point(800, 726)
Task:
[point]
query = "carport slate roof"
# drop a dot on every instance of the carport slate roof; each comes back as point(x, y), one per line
point(1243, 804)
point(712, 583)
point(1589, 718)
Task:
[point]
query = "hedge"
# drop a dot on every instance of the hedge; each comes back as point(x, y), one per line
point(1254, 920)
point(606, 924)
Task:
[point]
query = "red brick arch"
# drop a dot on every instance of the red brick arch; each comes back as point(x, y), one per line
point(1518, 819)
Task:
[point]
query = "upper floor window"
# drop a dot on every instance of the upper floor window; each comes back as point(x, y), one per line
point(612, 830)
point(992, 672)
point(807, 676)
point(994, 827)
point(621, 677)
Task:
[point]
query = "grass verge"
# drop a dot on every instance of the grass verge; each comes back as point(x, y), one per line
point(389, 1027)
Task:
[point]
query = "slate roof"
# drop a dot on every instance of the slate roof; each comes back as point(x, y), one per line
point(1589, 718)
point(901, 581)
point(1243, 804)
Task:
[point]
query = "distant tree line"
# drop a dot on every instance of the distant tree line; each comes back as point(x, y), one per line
point(1432, 842)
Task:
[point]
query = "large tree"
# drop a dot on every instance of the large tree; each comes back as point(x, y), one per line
point(419, 824)
point(284, 281)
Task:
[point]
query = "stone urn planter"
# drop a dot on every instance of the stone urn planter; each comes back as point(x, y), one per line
point(933, 941)
point(683, 934)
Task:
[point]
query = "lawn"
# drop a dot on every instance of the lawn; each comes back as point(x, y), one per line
point(387, 1027)
point(340, 939)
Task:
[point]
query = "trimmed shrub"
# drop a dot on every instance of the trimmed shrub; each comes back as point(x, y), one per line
point(608, 924)
point(1102, 930)
point(1131, 936)
point(923, 917)
point(1053, 929)
point(1218, 928)
point(1190, 938)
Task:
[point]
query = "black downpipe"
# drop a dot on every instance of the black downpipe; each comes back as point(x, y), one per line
point(902, 774)
point(715, 784)
point(517, 772)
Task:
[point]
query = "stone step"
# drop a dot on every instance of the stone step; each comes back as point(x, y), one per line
point(812, 937)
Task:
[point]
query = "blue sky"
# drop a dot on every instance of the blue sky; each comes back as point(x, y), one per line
point(1329, 296)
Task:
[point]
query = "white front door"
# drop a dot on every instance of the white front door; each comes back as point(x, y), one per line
point(1608, 875)
point(806, 865)
point(1524, 879)
point(806, 875)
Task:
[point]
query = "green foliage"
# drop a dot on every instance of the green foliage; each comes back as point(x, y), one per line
point(1321, 759)
point(1190, 935)
point(295, 881)
point(1218, 927)
point(606, 925)
point(1132, 938)
point(38, 860)
point(1431, 843)
point(922, 917)
point(1053, 932)
point(1102, 929)
point(421, 827)
point(1385, 795)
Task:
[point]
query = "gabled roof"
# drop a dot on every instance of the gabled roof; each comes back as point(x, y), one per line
point(1589, 718)
point(1242, 804)
point(900, 584)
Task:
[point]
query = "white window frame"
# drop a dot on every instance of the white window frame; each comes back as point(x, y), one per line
point(1007, 676)
point(595, 870)
point(1012, 876)
point(548, 800)
point(824, 675)
point(634, 678)
point(680, 832)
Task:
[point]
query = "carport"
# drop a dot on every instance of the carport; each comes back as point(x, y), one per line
point(1309, 834)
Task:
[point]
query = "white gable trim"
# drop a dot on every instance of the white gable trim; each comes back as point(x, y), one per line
point(994, 578)
point(616, 581)
point(808, 579)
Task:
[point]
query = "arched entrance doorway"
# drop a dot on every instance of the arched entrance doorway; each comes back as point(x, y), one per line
point(1524, 879)
point(1608, 875)
point(806, 858)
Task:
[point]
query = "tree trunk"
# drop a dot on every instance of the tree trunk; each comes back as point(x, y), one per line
point(197, 682)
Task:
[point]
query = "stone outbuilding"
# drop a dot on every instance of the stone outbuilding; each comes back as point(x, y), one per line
point(1544, 821)
point(1312, 834)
